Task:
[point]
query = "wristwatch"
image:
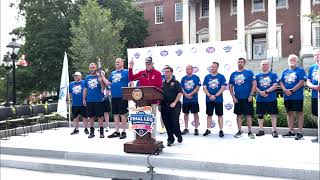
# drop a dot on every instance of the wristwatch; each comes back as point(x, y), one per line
point(266, 92)
point(291, 91)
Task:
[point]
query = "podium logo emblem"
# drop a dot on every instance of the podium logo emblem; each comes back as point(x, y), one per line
point(136, 94)
point(142, 122)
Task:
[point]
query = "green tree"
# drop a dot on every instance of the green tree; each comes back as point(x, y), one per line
point(135, 26)
point(95, 35)
point(47, 37)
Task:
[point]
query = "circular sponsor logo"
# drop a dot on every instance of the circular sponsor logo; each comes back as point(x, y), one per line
point(210, 50)
point(136, 94)
point(164, 53)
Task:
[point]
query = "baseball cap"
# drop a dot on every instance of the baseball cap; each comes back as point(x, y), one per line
point(149, 60)
point(77, 73)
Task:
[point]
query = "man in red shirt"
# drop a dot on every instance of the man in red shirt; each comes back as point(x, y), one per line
point(147, 77)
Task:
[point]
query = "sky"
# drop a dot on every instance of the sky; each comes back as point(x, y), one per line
point(8, 21)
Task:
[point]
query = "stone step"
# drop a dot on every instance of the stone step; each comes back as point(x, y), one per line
point(113, 170)
point(136, 164)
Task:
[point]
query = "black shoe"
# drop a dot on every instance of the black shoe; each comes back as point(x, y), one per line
point(251, 135)
point(299, 136)
point(290, 134)
point(180, 139)
point(207, 132)
point(75, 131)
point(238, 134)
point(196, 132)
point(274, 134)
point(107, 129)
point(185, 131)
point(123, 135)
point(86, 131)
point(315, 140)
point(169, 143)
point(113, 135)
point(91, 135)
point(221, 133)
point(260, 133)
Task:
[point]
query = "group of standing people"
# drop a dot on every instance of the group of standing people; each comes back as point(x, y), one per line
point(91, 96)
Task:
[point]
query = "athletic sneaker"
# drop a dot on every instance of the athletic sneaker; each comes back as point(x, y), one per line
point(75, 131)
point(196, 132)
point(113, 135)
point(238, 134)
point(185, 131)
point(221, 133)
point(290, 134)
point(86, 131)
point(274, 134)
point(162, 131)
point(169, 143)
point(299, 136)
point(207, 132)
point(91, 135)
point(251, 135)
point(123, 135)
point(315, 140)
point(260, 133)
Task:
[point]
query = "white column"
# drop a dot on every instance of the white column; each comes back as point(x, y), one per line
point(240, 25)
point(305, 29)
point(218, 20)
point(193, 26)
point(185, 22)
point(212, 20)
point(272, 50)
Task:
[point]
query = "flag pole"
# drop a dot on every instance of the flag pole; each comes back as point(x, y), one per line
point(69, 108)
point(318, 101)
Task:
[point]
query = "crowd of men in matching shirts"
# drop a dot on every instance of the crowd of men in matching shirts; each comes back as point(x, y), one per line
point(91, 97)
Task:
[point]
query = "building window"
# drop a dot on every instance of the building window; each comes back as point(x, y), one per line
point(316, 1)
point(282, 4)
point(257, 5)
point(158, 15)
point(316, 35)
point(233, 7)
point(178, 9)
point(204, 8)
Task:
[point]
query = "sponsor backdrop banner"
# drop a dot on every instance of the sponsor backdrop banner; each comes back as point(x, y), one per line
point(200, 56)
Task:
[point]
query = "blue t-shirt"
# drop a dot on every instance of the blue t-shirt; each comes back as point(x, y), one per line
point(264, 82)
point(242, 83)
point(313, 77)
point(188, 84)
point(118, 80)
point(290, 78)
point(213, 83)
point(76, 91)
point(94, 93)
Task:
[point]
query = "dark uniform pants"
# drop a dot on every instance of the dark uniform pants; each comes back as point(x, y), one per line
point(170, 117)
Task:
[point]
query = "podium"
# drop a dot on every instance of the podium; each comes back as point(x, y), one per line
point(143, 96)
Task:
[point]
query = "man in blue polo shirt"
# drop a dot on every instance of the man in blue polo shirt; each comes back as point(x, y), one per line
point(76, 93)
point(213, 86)
point(313, 83)
point(190, 86)
point(93, 98)
point(266, 97)
point(242, 85)
point(292, 82)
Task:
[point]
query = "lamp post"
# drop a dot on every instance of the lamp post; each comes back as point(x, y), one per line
point(13, 48)
point(7, 64)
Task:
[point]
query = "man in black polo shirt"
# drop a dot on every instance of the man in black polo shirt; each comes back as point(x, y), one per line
point(171, 106)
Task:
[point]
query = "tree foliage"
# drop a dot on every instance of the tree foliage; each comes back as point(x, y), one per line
point(95, 35)
point(47, 37)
